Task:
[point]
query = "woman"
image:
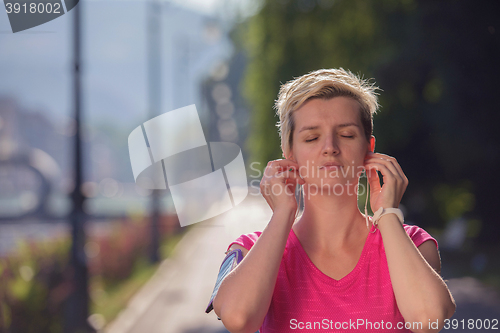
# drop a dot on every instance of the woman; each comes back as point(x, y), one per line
point(327, 271)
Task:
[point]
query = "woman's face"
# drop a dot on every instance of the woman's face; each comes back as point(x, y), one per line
point(330, 132)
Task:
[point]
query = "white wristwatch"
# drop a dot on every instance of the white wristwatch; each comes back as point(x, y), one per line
point(384, 211)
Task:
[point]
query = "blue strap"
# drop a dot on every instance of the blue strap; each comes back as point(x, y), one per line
point(231, 260)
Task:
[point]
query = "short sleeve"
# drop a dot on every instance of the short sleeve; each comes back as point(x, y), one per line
point(246, 240)
point(419, 235)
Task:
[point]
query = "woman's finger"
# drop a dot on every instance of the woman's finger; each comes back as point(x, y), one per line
point(394, 172)
point(373, 177)
point(398, 186)
point(389, 177)
point(384, 169)
point(278, 165)
point(394, 164)
point(290, 174)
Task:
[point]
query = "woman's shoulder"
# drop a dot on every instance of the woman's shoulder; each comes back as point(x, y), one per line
point(418, 235)
point(246, 240)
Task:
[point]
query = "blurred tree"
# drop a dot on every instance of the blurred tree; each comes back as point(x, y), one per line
point(438, 65)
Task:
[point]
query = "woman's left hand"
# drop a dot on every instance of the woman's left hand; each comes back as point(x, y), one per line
point(395, 182)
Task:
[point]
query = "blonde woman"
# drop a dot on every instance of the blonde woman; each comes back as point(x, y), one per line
point(333, 268)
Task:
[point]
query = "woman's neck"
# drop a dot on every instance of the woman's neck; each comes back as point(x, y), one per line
point(331, 223)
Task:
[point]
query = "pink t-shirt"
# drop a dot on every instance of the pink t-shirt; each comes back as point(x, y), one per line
point(305, 299)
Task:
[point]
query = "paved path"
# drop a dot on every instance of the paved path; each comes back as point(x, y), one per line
point(474, 301)
point(174, 300)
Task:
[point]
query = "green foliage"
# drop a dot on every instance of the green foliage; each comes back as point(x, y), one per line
point(454, 202)
point(282, 41)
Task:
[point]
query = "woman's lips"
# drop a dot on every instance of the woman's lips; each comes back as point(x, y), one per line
point(330, 167)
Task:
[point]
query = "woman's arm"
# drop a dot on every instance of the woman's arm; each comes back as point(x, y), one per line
point(430, 253)
point(245, 294)
point(421, 294)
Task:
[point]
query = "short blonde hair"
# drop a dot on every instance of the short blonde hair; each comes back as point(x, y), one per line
point(324, 84)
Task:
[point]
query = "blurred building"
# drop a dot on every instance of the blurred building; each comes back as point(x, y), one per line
point(115, 96)
point(32, 152)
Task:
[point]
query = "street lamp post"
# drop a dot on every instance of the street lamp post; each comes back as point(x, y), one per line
point(154, 91)
point(78, 302)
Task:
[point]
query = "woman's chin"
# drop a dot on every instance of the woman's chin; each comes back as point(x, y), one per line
point(331, 187)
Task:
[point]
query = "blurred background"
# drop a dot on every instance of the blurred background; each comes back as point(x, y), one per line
point(437, 64)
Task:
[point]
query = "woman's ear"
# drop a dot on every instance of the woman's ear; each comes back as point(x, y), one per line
point(372, 144)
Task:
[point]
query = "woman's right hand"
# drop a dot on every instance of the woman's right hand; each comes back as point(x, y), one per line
point(245, 294)
point(278, 184)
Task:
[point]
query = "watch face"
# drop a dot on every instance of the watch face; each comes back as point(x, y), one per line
point(232, 259)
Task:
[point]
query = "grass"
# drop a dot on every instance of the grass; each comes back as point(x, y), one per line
point(108, 302)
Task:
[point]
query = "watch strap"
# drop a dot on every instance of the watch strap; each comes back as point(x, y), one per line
point(384, 211)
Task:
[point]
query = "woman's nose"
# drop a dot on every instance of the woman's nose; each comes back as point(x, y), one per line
point(330, 147)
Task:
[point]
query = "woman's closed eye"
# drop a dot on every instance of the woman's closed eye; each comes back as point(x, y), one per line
point(344, 136)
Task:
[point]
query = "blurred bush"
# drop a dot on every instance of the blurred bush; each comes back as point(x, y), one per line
point(35, 278)
point(34, 286)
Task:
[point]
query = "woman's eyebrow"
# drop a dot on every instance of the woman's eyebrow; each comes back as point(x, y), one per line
point(348, 124)
point(307, 128)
